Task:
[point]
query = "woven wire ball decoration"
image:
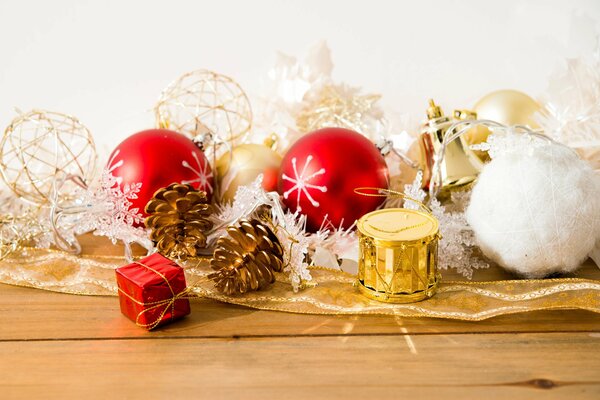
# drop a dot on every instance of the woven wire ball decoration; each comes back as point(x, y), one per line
point(202, 102)
point(40, 147)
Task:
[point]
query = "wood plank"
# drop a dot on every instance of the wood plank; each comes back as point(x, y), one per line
point(36, 315)
point(494, 366)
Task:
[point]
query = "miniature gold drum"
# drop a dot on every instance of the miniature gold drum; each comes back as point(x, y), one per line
point(398, 255)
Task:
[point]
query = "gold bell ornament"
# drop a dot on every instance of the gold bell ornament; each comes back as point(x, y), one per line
point(476, 135)
point(459, 164)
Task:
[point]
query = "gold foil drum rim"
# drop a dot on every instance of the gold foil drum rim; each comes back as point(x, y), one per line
point(400, 297)
point(432, 234)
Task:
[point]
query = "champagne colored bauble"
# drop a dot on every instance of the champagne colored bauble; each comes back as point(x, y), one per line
point(157, 158)
point(508, 107)
point(243, 164)
point(320, 172)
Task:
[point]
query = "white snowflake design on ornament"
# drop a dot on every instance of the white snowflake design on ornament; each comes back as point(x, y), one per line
point(301, 183)
point(200, 171)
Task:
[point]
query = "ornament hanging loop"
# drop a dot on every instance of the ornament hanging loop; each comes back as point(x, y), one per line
point(386, 146)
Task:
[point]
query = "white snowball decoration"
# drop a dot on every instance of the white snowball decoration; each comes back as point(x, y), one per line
point(535, 209)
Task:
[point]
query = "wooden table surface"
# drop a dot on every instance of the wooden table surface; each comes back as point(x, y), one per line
point(64, 346)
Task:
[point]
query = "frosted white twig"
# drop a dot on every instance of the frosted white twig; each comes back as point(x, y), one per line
point(458, 241)
point(289, 228)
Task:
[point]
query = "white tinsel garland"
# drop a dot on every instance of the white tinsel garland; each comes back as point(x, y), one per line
point(305, 90)
point(571, 113)
point(103, 209)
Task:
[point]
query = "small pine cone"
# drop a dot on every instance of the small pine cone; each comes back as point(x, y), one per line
point(245, 260)
point(178, 218)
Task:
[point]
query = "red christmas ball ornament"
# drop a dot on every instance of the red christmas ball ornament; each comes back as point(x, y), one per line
point(157, 158)
point(320, 171)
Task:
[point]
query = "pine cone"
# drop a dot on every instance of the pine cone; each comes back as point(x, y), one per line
point(179, 220)
point(245, 261)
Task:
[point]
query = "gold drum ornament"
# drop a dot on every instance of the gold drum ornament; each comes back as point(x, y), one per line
point(398, 255)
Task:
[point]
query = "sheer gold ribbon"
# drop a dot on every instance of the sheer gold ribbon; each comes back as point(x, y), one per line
point(333, 294)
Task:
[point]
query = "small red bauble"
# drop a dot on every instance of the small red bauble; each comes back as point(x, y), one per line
point(320, 172)
point(156, 158)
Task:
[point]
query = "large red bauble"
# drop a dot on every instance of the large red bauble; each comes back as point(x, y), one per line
point(156, 158)
point(320, 172)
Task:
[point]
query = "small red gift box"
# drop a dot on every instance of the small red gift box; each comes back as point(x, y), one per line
point(152, 291)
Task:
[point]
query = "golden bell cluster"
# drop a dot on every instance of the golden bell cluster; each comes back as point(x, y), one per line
point(461, 165)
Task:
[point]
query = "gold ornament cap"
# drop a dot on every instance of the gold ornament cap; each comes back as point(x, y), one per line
point(434, 111)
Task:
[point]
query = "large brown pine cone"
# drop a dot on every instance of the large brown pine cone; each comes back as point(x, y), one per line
point(245, 260)
point(178, 218)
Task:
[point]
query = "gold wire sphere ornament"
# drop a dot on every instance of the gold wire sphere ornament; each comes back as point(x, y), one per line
point(201, 102)
point(39, 147)
point(342, 107)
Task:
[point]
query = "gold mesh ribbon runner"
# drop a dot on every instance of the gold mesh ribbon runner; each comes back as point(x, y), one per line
point(334, 293)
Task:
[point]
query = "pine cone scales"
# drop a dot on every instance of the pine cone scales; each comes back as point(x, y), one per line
point(179, 220)
point(245, 261)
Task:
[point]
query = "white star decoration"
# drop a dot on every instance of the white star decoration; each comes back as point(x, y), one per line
point(200, 171)
point(301, 184)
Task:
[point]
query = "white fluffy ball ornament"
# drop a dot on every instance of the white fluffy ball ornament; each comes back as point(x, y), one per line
point(535, 209)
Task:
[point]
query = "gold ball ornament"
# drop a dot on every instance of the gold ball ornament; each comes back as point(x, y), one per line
point(508, 107)
point(40, 147)
point(242, 166)
point(201, 102)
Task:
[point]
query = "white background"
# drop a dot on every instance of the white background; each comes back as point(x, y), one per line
point(107, 61)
